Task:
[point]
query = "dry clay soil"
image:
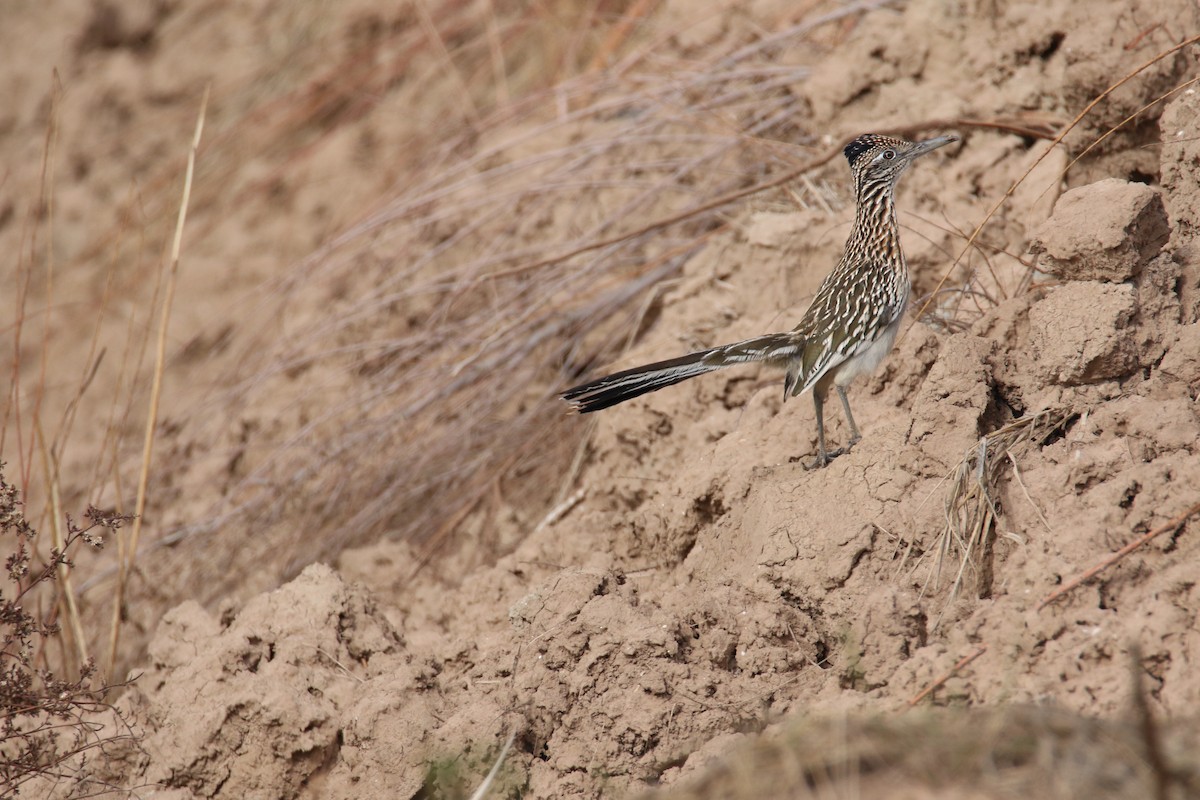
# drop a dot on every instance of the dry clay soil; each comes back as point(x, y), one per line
point(686, 586)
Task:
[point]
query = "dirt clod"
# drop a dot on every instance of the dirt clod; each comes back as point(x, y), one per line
point(1103, 231)
point(1080, 333)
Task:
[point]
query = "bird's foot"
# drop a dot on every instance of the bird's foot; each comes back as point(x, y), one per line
point(823, 458)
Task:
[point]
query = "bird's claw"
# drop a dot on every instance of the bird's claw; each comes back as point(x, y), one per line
point(824, 457)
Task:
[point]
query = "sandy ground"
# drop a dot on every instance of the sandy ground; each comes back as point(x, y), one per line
point(341, 593)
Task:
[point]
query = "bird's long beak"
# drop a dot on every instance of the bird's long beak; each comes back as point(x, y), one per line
point(929, 145)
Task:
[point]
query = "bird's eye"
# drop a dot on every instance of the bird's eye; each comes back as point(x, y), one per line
point(889, 154)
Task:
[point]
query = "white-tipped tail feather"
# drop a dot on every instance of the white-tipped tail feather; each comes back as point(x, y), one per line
point(630, 383)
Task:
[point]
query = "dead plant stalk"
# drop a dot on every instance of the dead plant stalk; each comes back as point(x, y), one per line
point(155, 388)
point(940, 681)
point(1174, 524)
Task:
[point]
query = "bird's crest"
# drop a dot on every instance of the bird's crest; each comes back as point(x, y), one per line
point(868, 142)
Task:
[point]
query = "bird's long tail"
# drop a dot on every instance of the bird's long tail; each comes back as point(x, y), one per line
point(630, 383)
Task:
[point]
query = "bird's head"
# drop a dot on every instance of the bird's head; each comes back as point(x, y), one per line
point(878, 159)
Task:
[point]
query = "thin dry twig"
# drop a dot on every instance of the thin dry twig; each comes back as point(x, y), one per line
point(438, 42)
point(560, 510)
point(962, 662)
point(49, 163)
point(1024, 490)
point(67, 592)
point(824, 157)
point(155, 388)
point(628, 22)
point(339, 665)
point(1174, 524)
point(1091, 146)
point(482, 791)
point(46, 201)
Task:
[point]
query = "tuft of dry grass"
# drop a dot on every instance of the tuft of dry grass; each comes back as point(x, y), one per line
point(970, 508)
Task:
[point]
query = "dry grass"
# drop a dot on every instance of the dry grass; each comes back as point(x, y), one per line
point(476, 333)
point(128, 551)
point(970, 508)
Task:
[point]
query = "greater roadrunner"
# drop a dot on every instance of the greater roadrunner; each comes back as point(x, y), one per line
point(851, 324)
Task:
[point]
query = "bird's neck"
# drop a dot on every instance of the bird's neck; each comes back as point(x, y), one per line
point(876, 235)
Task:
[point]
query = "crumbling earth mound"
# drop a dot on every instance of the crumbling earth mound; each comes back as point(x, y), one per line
point(692, 587)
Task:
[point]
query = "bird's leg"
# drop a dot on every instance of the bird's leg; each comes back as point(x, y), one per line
point(855, 437)
point(823, 457)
